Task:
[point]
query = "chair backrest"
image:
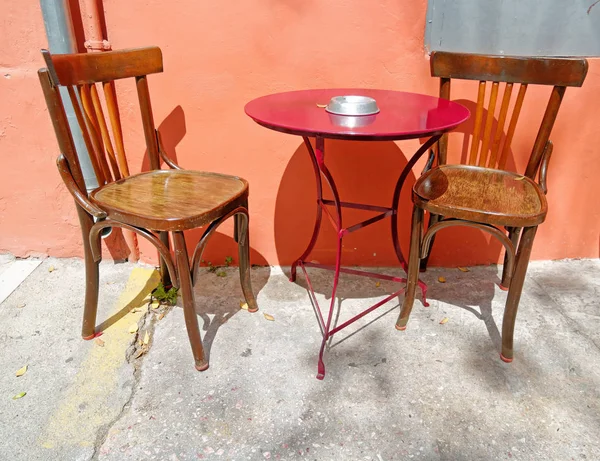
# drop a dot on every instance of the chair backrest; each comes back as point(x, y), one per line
point(489, 148)
point(80, 74)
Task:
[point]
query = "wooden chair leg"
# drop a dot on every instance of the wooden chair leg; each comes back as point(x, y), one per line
point(92, 278)
point(189, 306)
point(164, 272)
point(413, 268)
point(242, 236)
point(433, 219)
point(514, 293)
point(513, 234)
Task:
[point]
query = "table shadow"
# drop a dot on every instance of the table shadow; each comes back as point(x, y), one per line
point(364, 172)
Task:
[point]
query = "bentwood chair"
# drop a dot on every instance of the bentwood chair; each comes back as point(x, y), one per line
point(483, 194)
point(152, 204)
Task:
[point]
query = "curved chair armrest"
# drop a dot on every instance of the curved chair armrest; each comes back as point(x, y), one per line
point(82, 200)
point(163, 154)
point(544, 165)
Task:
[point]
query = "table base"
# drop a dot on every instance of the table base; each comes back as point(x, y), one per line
point(317, 156)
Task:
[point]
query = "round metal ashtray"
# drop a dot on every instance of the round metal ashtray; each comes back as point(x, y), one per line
point(349, 121)
point(352, 105)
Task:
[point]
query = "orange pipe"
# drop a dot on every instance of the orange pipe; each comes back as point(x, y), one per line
point(96, 41)
point(92, 23)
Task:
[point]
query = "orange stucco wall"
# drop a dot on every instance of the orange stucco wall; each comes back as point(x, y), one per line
point(218, 56)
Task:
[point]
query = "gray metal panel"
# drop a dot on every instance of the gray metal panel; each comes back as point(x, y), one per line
point(514, 27)
point(61, 40)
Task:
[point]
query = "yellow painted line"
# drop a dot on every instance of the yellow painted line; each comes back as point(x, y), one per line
point(89, 403)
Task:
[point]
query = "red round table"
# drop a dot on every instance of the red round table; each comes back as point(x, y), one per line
point(401, 116)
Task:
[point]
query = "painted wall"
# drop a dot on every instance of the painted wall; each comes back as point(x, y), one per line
point(219, 56)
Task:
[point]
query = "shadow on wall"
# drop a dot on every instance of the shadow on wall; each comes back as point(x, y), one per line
point(172, 130)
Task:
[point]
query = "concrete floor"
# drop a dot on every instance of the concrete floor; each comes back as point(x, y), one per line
point(434, 392)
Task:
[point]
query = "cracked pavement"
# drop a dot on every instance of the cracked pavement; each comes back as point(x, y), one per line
point(435, 391)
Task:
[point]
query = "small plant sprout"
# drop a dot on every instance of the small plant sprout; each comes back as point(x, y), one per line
point(164, 296)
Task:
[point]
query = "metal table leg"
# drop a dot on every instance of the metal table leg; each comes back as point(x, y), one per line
point(317, 156)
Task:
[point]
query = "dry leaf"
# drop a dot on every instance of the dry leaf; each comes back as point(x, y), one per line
point(146, 338)
point(20, 395)
point(140, 352)
point(21, 305)
point(442, 279)
point(51, 269)
point(464, 269)
point(21, 371)
point(161, 316)
point(520, 178)
point(321, 106)
point(99, 342)
point(243, 305)
point(133, 328)
point(444, 320)
point(378, 284)
point(136, 309)
point(269, 317)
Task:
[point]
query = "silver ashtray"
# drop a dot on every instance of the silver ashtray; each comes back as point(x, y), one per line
point(352, 105)
point(352, 121)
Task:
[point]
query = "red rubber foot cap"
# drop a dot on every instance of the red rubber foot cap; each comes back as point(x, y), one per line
point(95, 335)
point(504, 359)
point(253, 310)
point(202, 367)
point(321, 371)
point(400, 328)
point(502, 287)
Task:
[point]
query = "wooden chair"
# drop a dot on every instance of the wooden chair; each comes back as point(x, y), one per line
point(151, 204)
point(482, 194)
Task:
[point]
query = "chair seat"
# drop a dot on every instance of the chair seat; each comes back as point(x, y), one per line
point(171, 200)
point(483, 195)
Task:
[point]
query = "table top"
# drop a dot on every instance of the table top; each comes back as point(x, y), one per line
point(402, 115)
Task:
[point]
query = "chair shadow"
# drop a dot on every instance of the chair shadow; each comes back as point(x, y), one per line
point(138, 301)
point(172, 131)
point(114, 243)
point(218, 291)
point(222, 312)
point(474, 294)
